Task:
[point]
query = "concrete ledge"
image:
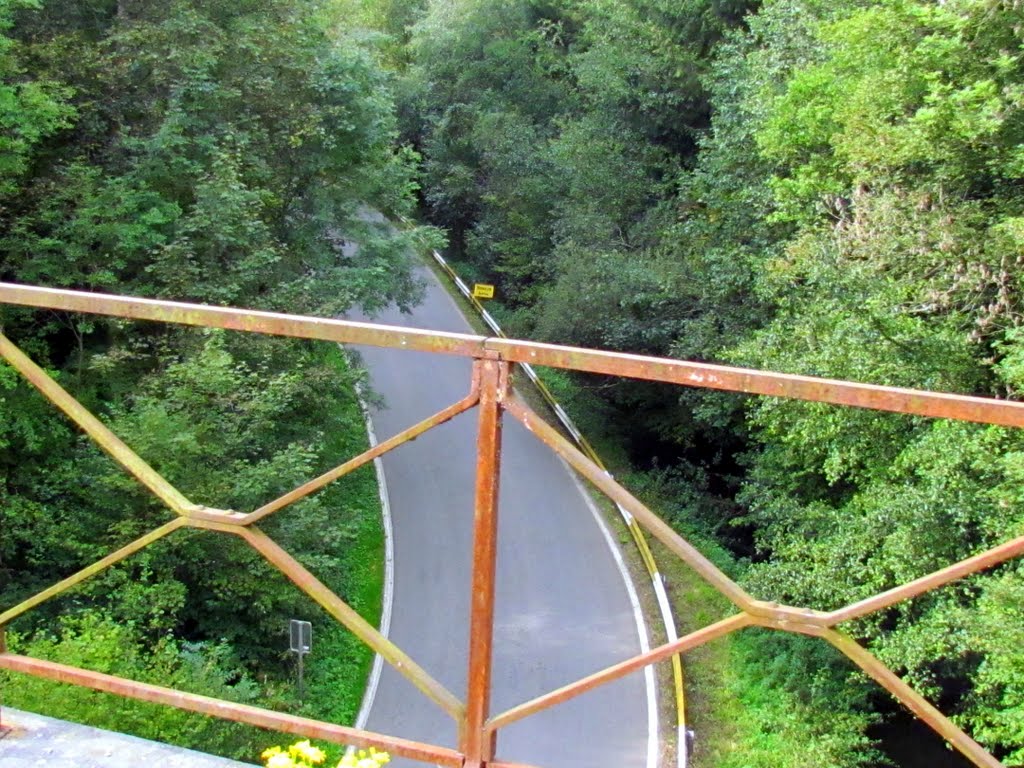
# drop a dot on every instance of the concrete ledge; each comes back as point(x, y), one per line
point(34, 741)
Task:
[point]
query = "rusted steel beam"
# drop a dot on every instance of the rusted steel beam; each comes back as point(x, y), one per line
point(732, 379)
point(729, 378)
point(911, 699)
point(623, 668)
point(987, 559)
point(93, 427)
point(227, 710)
point(356, 624)
point(215, 515)
point(364, 458)
point(657, 527)
point(787, 617)
point(248, 320)
point(475, 742)
point(71, 581)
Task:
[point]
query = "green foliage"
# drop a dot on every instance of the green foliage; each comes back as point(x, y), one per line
point(787, 718)
point(221, 152)
point(31, 109)
point(101, 644)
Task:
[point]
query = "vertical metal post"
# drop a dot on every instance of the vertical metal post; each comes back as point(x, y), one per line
point(477, 746)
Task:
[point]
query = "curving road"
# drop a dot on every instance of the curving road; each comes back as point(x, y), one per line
point(564, 605)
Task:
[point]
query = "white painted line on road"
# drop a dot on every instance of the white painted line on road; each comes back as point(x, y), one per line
point(638, 616)
point(389, 572)
point(682, 749)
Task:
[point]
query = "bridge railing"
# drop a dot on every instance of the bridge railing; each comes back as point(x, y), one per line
point(491, 393)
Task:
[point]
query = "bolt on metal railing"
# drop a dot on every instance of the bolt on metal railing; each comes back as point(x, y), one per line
point(490, 391)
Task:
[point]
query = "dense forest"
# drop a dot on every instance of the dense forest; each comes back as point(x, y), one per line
point(212, 151)
point(827, 188)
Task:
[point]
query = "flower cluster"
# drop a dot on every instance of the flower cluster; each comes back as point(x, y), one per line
point(304, 755)
point(364, 759)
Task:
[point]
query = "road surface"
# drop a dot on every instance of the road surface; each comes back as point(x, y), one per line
point(563, 605)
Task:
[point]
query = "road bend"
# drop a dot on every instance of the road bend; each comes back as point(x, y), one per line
point(564, 606)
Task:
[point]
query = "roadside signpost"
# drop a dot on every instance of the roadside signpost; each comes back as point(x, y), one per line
point(483, 291)
point(300, 641)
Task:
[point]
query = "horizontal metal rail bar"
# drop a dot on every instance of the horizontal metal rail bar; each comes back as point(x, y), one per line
point(722, 377)
point(747, 380)
point(247, 320)
point(364, 458)
point(77, 578)
point(226, 710)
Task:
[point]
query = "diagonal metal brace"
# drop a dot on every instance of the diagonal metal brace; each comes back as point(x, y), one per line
point(342, 612)
point(366, 457)
point(75, 579)
point(93, 427)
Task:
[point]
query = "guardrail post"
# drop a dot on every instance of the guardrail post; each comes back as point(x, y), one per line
point(477, 745)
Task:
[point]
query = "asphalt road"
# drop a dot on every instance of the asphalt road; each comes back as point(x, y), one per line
point(563, 606)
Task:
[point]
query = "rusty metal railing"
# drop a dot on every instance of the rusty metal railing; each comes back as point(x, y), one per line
point(491, 393)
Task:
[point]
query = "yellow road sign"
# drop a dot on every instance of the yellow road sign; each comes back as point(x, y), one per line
point(483, 291)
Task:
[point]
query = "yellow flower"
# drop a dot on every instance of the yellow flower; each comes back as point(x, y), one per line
point(364, 759)
point(280, 760)
point(307, 751)
point(269, 753)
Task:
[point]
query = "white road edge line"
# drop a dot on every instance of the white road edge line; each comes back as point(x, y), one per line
point(389, 571)
point(638, 615)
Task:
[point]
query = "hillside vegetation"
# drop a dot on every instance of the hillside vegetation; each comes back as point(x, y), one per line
point(210, 151)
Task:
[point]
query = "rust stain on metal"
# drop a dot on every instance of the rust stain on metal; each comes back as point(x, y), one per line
point(477, 744)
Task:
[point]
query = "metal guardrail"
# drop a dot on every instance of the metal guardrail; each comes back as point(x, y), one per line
point(489, 392)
